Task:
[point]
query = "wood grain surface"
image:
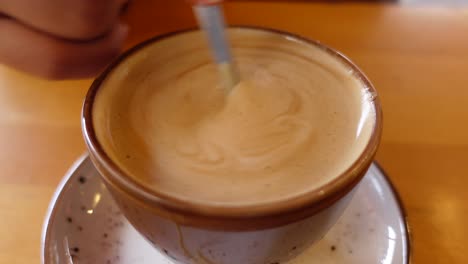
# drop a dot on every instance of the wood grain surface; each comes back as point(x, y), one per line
point(417, 58)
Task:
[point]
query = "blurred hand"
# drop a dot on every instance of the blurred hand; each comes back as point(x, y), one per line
point(59, 39)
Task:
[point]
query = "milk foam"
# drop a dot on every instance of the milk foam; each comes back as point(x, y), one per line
point(297, 120)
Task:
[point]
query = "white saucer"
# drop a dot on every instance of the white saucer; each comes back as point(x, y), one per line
point(84, 225)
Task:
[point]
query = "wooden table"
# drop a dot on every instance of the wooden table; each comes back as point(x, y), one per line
point(417, 57)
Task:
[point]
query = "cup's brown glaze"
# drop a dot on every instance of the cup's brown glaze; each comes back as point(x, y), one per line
point(166, 221)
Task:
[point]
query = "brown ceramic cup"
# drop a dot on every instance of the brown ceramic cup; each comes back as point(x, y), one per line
point(193, 233)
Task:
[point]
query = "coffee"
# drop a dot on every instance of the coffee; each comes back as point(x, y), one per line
point(299, 118)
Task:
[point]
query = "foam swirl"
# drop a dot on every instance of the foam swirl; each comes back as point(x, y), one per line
point(288, 127)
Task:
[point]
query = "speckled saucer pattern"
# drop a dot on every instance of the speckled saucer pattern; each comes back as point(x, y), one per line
point(84, 225)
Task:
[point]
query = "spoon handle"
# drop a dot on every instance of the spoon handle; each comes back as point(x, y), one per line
point(211, 19)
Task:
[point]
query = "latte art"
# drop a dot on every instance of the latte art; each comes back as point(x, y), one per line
point(298, 119)
point(259, 125)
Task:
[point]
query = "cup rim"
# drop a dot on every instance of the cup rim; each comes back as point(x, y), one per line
point(219, 216)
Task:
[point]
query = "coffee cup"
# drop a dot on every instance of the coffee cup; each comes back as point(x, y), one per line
point(247, 196)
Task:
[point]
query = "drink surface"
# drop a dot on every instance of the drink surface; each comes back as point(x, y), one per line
point(299, 118)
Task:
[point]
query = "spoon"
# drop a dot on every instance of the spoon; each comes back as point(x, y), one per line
point(210, 18)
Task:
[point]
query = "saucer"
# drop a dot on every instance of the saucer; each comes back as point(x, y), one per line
point(84, 225)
